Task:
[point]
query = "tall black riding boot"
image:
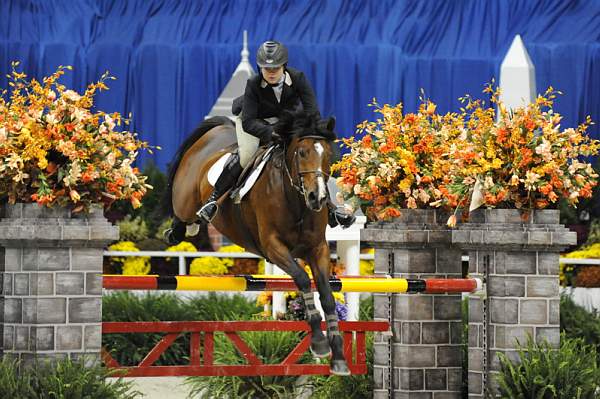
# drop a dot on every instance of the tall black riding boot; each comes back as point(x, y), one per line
point(231, 172)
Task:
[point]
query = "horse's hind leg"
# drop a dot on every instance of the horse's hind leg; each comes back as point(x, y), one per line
point(176, 233)
point(319, 262)
point(280, 255)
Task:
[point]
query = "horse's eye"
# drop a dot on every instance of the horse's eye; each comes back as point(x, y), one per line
point(301, 152)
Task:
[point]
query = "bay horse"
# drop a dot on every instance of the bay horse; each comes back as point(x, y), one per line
point(282, 218)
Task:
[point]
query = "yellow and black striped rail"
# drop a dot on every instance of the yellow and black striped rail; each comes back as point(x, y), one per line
point(285, 283)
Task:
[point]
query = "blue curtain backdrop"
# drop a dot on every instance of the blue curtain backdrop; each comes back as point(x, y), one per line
point(173, 58)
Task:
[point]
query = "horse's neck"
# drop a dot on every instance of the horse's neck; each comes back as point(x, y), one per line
point(297, 206)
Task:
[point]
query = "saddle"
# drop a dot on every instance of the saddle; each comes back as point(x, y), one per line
point(251, 172)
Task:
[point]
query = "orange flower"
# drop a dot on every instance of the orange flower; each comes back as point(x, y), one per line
point(367, 141)
point(490, 199)
point(501, 135)
point(410, 118)
point(426, 179)
point(586, 191)
point(556, 182)
point(51, 168)
point(87, 177)
point(380, 201)
point(541, 203)
point(451, 221)
point(112, 187)
point(393, 212)
point(529, 124)
point(546, 189)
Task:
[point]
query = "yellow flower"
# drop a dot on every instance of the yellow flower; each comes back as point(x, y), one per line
point(183, 246)
point(74, 195)
point(208, 265)
point(42, 163)
point(230, 248)
point(139, 265)
point(264, 298)
point(291, 294)
point(339, 297)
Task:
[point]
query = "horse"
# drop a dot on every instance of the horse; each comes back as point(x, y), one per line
point(282, 218)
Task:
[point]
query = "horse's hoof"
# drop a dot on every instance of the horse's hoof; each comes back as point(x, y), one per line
point(339, 367)
point(320, 348)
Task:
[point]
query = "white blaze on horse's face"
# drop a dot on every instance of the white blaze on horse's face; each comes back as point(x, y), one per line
point(322, 189)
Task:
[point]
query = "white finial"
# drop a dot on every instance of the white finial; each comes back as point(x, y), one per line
point(245, 52)
point(517, 76)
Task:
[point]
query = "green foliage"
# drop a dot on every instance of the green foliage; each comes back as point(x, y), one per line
point(152, 210)
point(576, 322)
point(594, 234)
point(543, 372)
point(133, 229)
point(162, 227)
point(130, 349)
point(61, 379)
point(271, 347)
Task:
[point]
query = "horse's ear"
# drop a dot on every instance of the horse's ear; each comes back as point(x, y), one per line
point(331, 123)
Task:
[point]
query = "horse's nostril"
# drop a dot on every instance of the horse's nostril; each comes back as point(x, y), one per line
point(312, 196)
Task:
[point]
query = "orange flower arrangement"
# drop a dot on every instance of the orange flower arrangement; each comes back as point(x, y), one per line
point(521, 158)
point(401, 161)
point(55, 151)
point(465, 160)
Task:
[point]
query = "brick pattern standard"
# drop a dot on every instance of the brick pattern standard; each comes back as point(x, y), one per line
point(427, 329)
point(52, 282)
point(518, 254)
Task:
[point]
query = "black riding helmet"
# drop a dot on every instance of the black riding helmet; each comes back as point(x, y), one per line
point(271, 54)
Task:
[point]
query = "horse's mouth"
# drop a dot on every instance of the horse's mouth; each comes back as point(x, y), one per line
point(314, 204)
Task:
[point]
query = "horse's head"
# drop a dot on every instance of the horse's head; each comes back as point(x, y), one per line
point(308, 158)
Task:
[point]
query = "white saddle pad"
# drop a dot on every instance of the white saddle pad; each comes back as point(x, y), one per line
point(215, 171)
point(254, 175)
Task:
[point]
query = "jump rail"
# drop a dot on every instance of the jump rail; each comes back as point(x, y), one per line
point(202, 337)
point(283, 283)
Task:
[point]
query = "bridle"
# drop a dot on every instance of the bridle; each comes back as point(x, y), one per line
point(319, 173)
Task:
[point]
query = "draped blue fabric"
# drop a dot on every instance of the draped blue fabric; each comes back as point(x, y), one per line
point(172, 58)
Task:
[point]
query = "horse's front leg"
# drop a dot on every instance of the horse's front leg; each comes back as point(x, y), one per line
point(320, 264)
point(279, 254)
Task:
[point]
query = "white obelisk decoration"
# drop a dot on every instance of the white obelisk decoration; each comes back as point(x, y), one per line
point(517, 76)
point(517, 85)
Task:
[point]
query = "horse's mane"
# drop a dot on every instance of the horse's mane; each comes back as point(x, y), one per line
point(204, 127)
point(300, 123)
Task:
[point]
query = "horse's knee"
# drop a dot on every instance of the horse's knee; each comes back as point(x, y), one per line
point(301, 279)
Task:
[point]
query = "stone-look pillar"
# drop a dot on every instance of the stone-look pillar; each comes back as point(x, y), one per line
point(52, 282)
point(425, 350)
point(517, 253)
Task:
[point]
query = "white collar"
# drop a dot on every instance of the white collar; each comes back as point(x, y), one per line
point(287, 80)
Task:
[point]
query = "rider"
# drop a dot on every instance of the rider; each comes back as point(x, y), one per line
point(276, 88)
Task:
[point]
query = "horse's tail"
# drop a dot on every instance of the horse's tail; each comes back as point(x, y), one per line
point(204, 127)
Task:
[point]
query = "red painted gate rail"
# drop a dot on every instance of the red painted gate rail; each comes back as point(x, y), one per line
point(202, 347)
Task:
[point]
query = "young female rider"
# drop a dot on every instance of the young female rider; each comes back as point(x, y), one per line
point(275, 89)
